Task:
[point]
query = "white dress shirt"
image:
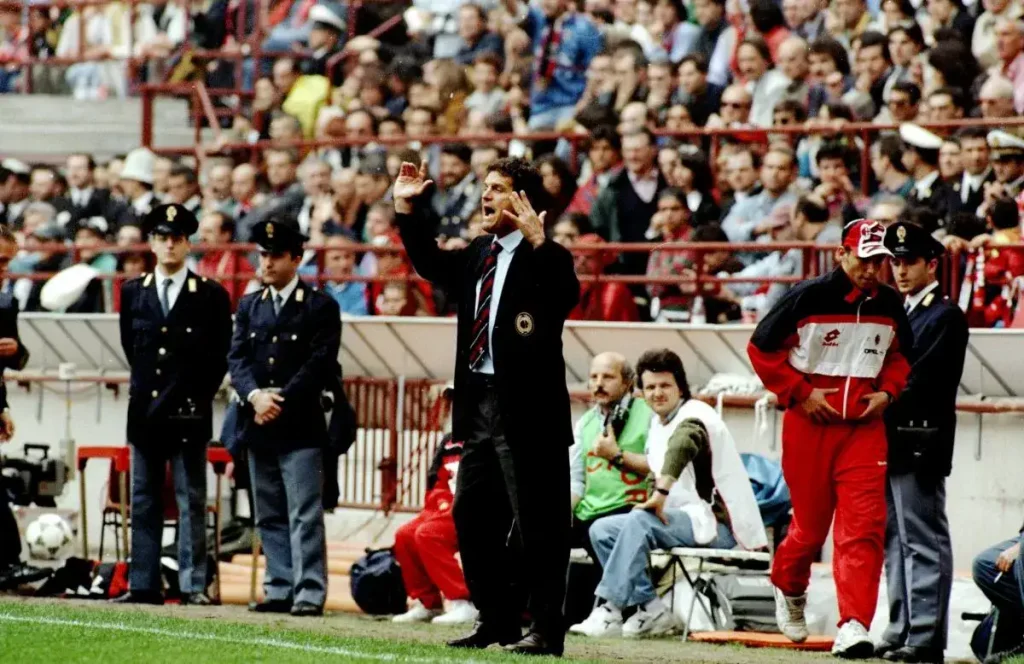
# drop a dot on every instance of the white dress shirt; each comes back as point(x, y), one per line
point(971, 183)
point(285, 292)
point(80, 197)
point(177, 282)
point(916, 299)
point(925, 184)
point(645, 187)
point(508, 247)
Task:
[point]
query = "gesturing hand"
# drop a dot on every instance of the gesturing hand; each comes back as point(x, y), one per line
point(409, 184)
point(526, 218)
point(877, 401)
point(818, 409)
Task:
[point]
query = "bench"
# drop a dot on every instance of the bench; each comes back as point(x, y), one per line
point(733, 560)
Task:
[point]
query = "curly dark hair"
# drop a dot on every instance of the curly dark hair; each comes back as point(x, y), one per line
point(525, 177)
point(662, 360)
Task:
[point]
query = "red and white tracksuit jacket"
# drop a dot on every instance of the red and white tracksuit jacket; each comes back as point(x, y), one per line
point(425, 548)
point(826, 333)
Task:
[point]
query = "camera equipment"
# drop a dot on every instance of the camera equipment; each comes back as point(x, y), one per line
point(34, 478)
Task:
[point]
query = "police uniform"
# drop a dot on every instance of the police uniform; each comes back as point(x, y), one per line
point(930, 192)
point(1007, 147)
point(921, 425)
point(175, 332)
point(287, 342)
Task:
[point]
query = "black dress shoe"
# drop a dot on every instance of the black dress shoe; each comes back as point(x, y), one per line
point(1000, 657)
point(483, 635)
point(140, 597)
point(884, 648)
point(535, 643)
point(306, 610)
point(19, 574)
point(271, 606)
point(914, 654)
point(197, 599)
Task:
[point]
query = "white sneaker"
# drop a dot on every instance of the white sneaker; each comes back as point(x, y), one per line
point(789, 614)
point(603, 621)
point(459, 611)
point(416, 613)
point(651, 620)
point(853, 642)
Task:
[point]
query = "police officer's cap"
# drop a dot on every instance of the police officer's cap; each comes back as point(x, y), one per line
point(906, 240)
point(918, 137)
point(278, 234)
point(1005, 145)
point(170, 219)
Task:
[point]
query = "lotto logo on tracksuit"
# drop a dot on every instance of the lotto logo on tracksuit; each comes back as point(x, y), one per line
point(828, 334)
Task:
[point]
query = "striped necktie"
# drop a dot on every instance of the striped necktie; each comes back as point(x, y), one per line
point(481, 324)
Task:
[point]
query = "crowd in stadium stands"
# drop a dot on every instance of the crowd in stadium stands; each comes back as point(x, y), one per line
point(610, 76)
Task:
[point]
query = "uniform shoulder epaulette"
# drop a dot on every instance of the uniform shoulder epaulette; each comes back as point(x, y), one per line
point(928, 299)
point(147, 279)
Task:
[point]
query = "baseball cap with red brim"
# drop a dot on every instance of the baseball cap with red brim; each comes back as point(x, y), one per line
point(866, 238)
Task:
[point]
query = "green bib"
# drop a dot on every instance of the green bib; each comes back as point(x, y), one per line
point(607, 488)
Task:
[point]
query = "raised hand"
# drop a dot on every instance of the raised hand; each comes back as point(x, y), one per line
point(526, 218)
point(410, 184)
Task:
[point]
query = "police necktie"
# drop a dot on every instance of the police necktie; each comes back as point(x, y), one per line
point(480, 346)
point(165, 296)
point(278, 303)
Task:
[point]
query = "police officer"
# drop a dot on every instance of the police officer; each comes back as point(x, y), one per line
point(175, 331)
point(283, 356)
point(920, 427)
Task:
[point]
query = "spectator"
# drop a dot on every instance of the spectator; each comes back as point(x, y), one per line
point(558, 183)
point(426, 547)
point(623, 210)
point(842, 199)
point(217, 187)
point(793, 64)
point(851, 20)
point(244, 189)
point(950, 164)
point(183, 188)
point(1010, 48)
point(671, 223)
point(740, 173)
point(708, 506)
point(599, 300)
point(808, 17)
point(339, 264)
point(137, 183)
point(476, 40)
point(414, 299)
point(98, 295)
point(487, 97)
point(569, 228)
point(717, 39)
point(995, 97)
point(746, 220)
point(693, 177)
point(14, 191)
point(983, 41)
point(459, 194)
point(906, 43)
point(701, 97)
point(607, 462)
point(902, 106)
point(827, 57)
point(735, 108)
point(999, 573)
point(107, 35)
point(628, 26)
point(49, 253)
point(874, 67)
point(767, 19)
point(230, 268)
point(325, 34)
point(765, 84)
point(604, 162)
point(950, 14)
point(678, 37)
point(558, 75)
point(887, 166)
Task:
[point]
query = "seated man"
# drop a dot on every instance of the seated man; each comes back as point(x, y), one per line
point(999, 573)
point(607, 465)
point(426, 547)
point(696, 503)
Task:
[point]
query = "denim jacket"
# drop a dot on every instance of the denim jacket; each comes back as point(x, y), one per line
point(581, 41)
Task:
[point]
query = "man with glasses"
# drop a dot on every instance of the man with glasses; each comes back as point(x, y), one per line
point(904, 98)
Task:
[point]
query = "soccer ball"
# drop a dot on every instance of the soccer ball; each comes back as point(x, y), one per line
point(48, 537)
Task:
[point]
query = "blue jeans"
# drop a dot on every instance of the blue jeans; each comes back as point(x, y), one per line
point(1008, 594)
point(548, 119)
point(623, 542)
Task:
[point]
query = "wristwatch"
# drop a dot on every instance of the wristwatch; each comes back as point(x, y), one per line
point(663, 491)
point(617, 459)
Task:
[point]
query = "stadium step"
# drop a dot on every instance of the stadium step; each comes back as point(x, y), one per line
point(48, 127)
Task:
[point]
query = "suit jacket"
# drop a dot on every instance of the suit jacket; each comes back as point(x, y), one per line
point(955, 201)
point(935, 198)
point(177, 362)
point(295, 352)
point(538, 293)
point(99, 204)
point(922, 422)
point(9, 330)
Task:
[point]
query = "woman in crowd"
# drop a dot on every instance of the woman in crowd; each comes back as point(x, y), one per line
point(558, 182)
point(600, 300)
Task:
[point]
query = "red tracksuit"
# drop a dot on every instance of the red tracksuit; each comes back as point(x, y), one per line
point(426, 547)
point(825, 333)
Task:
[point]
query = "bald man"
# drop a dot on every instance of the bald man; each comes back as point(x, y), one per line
point(1010, 47)
point(607, 464)
point(735, 108)
point(794, 65)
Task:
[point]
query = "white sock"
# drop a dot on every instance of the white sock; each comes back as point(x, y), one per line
point(655, 606)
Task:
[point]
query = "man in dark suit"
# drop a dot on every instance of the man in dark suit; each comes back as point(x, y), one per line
point(284, 355)
point(921, 158)
point(920, 425)
point(84, 200)
point(175, 332)
point(13, 355)
point(968, 193)
point(514, 290)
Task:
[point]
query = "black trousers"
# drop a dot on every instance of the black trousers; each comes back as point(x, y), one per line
point(512, 516)
point(10, 538)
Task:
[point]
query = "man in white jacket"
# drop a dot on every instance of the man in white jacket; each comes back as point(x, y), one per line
point(702, 498)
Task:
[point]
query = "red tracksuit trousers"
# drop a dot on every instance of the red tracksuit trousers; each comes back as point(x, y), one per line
point(835, 469)
point(426, 548)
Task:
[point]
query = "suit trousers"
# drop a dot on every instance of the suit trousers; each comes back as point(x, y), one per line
point(512, 516)
point(10, 538)
point(290, 517)
point(149, 472)
point(918, 561)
